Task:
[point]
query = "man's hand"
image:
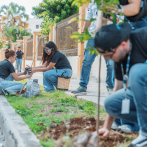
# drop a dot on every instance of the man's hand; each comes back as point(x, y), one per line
point(112, 9)
point(103, 131)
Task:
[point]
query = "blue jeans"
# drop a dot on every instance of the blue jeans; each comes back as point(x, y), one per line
point(50, 78)
point(139, 24)
point(137, 93)
point(133, 126)
point(86, 67)
point(110, 73)
point(10, 85)
point(19, 64)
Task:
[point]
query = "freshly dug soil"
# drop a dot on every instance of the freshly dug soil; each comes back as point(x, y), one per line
point(78, 126)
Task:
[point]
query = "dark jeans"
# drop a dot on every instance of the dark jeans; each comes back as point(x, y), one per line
point(137, 93)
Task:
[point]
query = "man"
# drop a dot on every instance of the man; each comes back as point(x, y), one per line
point(89, 59)
point(131, 9)
point(126, 48)
point(19, 58)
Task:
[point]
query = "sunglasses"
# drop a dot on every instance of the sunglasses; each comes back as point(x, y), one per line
point(103, 52)
point(47, 50)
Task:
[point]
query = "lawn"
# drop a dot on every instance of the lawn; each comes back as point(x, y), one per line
point(54, 116)
point(49, 109)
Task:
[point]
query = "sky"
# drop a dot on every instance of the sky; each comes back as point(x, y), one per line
point(28, 4)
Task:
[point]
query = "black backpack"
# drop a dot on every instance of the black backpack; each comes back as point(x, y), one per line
point(141, 14)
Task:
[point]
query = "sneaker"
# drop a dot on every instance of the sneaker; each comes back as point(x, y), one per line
point(5, 92)
point(114, 126)
point(80, 91)
point(142, 143)
point(125, 129)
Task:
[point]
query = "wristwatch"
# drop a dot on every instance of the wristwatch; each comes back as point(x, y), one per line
point(120, 9)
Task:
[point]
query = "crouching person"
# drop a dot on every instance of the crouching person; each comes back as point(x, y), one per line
point(129, 51)
point(54, 64)
point(8, 74)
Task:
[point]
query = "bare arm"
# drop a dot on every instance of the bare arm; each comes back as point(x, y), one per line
point(42, 69)
point(21, 73)
point(109, 119)
point(86, 25)
point(37, 67)
point(19, 78)
point(132, 8)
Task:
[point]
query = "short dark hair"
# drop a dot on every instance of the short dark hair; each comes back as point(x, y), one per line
point(126, 38)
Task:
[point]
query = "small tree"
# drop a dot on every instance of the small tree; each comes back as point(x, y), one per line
point(53, 11)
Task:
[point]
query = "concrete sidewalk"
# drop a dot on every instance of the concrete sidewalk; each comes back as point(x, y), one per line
point(92, 90)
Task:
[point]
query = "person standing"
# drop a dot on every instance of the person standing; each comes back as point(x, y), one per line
point(19, 56)
point(89, 59)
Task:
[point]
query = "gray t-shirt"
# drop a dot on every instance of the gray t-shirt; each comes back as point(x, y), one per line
point(6, 68)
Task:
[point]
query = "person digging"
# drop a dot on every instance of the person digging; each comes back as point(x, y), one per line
point(129, 99)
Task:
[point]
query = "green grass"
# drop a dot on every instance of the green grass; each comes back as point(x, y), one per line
point(50, 108)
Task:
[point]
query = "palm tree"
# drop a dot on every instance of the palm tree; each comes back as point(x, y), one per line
point(8, 33)
point(14, 15)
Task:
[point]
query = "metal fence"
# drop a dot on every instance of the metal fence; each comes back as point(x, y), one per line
point(15, 48)
point(29, 49)
point(64, 30)
point(40, 45)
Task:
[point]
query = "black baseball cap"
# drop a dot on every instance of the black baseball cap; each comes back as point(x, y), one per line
point(110, 36)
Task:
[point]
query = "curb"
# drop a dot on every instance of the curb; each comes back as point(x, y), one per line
point(15, 130)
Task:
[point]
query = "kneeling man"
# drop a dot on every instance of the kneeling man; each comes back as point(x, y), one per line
point(129, 51)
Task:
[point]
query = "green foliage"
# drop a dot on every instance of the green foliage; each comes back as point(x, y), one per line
point(60, 109)
point(23, 110)
point(45, 26)
point(92, 50)
point(11, 34)
point(33, 111)
point(107, 7)
point(1, 45)
point(13, 14)
point(53, 11)
point(81, 37)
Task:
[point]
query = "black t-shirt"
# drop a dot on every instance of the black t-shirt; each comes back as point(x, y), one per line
point(6, 68)
point(138, 39)
point(61, 61)
point(19, 54)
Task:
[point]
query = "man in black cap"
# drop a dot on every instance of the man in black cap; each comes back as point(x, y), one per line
point(129, 51)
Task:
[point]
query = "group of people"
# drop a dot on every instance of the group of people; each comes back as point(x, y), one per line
point(122, 46)
point(54, 64)
point(125, 52)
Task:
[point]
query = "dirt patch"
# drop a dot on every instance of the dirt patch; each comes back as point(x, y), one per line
point(78, 126)
point(81, 130)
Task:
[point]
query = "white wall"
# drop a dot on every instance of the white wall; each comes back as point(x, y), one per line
point(32, 24)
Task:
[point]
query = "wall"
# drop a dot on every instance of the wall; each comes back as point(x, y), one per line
point(32, 24)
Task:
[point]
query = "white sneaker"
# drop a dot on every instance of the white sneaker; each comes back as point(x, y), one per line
point(125, 129)
point(114, 126)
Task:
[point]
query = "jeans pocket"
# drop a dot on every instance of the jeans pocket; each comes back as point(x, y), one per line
point(67, 73)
